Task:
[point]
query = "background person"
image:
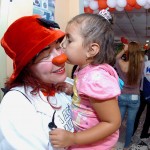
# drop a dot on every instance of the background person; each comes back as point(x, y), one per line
point(130, 71)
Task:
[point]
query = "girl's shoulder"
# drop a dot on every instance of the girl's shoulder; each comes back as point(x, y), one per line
point(103, 69)
point(100, 82)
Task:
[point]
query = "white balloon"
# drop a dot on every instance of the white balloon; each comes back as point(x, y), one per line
point(112, 3)
point(121, 3)
point(93, 5)
point(86, 3)
point(147, 6)
point(148, 1)
point(141, 2)
point(119, 8)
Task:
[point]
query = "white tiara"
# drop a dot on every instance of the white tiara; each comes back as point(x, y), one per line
point(106, 14)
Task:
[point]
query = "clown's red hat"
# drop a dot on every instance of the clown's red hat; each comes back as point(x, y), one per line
point(25, 38)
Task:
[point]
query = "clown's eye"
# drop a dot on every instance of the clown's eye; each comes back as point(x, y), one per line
point(46, 54)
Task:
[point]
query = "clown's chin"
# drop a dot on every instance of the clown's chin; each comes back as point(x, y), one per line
point(60, 78)
point(55, 78)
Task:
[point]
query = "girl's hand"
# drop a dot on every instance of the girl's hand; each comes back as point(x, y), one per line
point(125, 47)
point(64, 87)
point(61, 138)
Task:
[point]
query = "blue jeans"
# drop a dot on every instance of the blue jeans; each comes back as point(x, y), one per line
point(129, 104)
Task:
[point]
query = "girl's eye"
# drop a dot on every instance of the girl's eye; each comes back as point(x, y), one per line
point(68, 40)
point(58, 47)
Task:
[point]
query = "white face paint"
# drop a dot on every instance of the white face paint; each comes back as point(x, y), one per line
point(45, 70)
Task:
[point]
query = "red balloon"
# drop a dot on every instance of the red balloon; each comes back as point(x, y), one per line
point(124, 40)
point(131, 2)
point(102, 4)
point(111, 9)
point(137, 6)
point(128, 7)
point(88, 10)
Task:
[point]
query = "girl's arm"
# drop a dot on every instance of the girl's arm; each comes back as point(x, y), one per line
point(122, 63)
point(109, 114)
point(119, 55)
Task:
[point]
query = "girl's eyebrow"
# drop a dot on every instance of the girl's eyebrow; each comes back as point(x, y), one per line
point(68, 35)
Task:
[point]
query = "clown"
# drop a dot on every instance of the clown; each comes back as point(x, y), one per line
point(32, 107)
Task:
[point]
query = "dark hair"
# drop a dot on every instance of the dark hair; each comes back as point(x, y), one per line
point(96, 29)
point(73, 70)
point(148, 53)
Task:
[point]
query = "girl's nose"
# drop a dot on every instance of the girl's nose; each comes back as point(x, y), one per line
point(59, 60)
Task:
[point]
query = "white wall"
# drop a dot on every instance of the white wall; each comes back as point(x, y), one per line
point(9, 12)
point(4, 6)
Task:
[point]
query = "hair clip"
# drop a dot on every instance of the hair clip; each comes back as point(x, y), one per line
point(106, 14)
point(48, 23)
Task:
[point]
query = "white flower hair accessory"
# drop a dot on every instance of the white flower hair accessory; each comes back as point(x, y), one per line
point(106, 14)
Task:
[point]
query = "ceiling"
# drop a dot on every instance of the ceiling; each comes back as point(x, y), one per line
point(133, 25)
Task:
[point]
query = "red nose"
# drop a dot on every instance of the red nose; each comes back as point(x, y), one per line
point(59, 60)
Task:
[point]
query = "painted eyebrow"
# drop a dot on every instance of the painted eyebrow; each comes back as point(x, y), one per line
point(47, 47)
point(44, 49)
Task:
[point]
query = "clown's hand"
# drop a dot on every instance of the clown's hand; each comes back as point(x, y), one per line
point(61, 138)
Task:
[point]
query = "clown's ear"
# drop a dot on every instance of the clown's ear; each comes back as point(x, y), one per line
point(48, 23)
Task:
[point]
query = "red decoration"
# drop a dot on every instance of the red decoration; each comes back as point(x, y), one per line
point(124, 40)
point(128, 7)
point(137, 6)
point(102, 4)
point(145, 47)
point(88, 10)
point(132, 3)
point(111, 9)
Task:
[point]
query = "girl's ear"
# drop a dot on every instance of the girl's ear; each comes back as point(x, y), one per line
point(93, 50)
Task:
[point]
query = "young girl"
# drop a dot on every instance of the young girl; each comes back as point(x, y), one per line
point(32, 107)
point(95, 111)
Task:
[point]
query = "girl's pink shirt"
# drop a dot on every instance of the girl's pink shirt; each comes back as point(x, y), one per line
point(101, 83)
